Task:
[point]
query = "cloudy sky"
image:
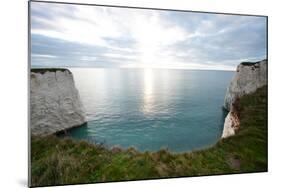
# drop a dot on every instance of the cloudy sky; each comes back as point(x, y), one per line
point(91, 36)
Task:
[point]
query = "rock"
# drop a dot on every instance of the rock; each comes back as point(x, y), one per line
point(248, 78)
point(55, 104)
point(116, 149)
point(231, 124)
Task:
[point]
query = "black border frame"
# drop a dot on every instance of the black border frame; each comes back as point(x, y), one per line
point(128, 7)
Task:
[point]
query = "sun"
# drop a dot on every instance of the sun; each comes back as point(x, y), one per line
point(147, 33)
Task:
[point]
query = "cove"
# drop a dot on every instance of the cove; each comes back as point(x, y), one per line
point(152, 109)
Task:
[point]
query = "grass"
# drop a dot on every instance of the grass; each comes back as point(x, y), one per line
point(251, 63)
point(57, 161)
point(43, 70)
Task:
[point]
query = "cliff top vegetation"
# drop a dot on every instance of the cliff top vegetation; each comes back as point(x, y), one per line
point(44, 70)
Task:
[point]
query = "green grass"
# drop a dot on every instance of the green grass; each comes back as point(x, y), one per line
point(246, 63)
point(43, 70)
point(56, 161)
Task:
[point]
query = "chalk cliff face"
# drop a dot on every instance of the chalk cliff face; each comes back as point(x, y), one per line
point(247, 79)
point(55, 102)
point(231, 124)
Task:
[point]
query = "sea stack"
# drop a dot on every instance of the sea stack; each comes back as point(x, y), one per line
point(55, 103)
point(248, 78)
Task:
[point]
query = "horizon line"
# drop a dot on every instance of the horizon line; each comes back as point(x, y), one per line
point(89, 67)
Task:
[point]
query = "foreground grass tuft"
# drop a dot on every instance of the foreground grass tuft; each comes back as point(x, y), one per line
point(56, 161)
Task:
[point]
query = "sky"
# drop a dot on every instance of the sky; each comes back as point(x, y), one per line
point(65, 35)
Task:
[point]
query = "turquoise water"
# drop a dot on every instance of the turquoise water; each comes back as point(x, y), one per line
point(152, 109)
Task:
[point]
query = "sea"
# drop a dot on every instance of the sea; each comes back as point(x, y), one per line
point(152, 109)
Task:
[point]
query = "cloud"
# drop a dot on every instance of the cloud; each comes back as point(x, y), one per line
point(78, 35)
point(43, 56)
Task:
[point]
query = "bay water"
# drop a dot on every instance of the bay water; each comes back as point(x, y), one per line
point(152, 109)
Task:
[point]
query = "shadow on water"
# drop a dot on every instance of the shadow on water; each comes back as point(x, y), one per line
point(68, 133)
point(224, 114)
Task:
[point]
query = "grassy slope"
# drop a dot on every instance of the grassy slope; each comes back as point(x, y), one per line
point(64, 161)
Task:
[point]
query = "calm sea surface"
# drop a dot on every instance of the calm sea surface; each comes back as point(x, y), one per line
point(152, 109)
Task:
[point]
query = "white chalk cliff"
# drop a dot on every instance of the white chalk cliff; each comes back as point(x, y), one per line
point(231, 124)
point(55, 102)
point(247, 79)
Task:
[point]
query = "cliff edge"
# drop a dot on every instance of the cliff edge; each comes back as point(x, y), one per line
point(55, 103)
point(248, 78)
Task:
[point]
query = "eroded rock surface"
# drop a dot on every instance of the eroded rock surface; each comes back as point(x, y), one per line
point(247, 79)
point(231, 124)
point(55, 102)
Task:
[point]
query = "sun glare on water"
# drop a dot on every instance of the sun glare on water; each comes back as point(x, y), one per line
point(148, 98)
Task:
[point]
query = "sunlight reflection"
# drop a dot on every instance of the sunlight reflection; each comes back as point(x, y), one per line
point(148, 100)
